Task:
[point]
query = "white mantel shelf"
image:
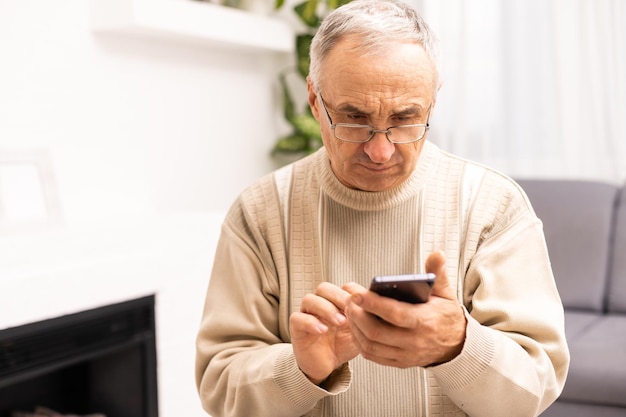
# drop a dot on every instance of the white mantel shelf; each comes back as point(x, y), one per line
point(193, 21)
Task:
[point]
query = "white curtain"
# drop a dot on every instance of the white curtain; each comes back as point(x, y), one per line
point(534, 88)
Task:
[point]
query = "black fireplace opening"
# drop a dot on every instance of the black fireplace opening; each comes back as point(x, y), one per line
point(96, 361)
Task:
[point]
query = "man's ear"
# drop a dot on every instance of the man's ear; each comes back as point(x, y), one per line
point(312, 98)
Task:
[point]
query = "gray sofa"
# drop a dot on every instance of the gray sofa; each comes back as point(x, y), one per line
point(585, 227)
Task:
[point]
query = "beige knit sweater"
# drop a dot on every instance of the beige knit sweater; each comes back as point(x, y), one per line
point(300, 226)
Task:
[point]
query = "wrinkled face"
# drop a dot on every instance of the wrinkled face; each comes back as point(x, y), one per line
point(394, 89)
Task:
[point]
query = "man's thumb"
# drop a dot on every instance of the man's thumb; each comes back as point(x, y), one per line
point(436, 263)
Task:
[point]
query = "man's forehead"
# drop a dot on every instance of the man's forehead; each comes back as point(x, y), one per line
point(393, 75)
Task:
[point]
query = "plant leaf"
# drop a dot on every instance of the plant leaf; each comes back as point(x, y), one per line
point(303, 46)
point(278, 4)
point(294, 142)
point(308, 126)
point(307, 12)
point(289, 109)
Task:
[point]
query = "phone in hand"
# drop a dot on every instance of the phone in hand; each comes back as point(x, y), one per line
point(410, 288)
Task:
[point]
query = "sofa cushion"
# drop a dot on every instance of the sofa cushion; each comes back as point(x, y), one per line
point(575, 409)
point(597, 374)
point(578, 323)
point(617, 282)
point(577, 218)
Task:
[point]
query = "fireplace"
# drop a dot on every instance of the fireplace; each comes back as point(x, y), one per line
point(97, 361)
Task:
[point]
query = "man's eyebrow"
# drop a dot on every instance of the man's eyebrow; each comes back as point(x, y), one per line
point(407, 111)
point(350, 108)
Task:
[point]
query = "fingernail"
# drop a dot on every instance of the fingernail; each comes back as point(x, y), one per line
point(357, 299)
point(341, 319)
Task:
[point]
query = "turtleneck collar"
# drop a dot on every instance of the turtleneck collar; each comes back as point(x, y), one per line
point(379, 200)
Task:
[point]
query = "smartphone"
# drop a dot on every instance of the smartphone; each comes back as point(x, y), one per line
point(410, 288)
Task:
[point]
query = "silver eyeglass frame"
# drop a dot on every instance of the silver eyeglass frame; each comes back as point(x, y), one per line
point(372, 130)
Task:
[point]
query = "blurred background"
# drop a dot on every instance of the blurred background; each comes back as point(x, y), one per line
point(134, 123)
point(128, 127)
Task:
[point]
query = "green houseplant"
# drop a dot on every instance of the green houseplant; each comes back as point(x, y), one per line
point(305, 136)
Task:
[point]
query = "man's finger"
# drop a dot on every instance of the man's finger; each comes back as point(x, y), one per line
point(436, 263)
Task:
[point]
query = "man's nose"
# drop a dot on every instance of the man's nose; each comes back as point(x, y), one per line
point(379, 149)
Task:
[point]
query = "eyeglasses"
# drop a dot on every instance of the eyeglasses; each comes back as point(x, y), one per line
point(356, 133)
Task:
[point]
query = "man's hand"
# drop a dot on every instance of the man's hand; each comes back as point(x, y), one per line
point(320, 332)
point(403, 335)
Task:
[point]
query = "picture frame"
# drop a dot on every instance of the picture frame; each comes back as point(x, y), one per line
point(28, 193)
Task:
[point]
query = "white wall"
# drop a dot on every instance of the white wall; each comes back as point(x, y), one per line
point(133, 124)
point(149, 143)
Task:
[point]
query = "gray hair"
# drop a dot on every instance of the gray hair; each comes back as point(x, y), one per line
point(379, 23)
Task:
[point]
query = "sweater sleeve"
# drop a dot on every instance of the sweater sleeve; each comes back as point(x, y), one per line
point(515, 358)
point(242, 363)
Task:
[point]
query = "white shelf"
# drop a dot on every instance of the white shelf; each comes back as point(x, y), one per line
point(193, 21)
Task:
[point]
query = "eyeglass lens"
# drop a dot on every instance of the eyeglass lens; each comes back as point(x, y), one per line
point(398, 134)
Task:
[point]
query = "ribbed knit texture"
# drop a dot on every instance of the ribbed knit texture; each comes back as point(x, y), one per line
point(366, 234)
point(384, 389)
point(361, 244)
point(300, 226)
point(391, 232)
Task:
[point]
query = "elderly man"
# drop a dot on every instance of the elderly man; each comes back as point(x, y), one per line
point(290, 327)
